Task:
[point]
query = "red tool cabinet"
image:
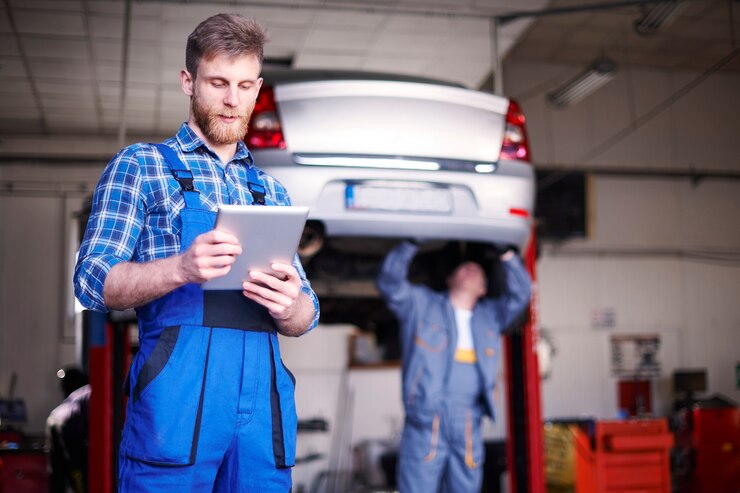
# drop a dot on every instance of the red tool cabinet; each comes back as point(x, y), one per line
point(708, 444)
point(633, 456)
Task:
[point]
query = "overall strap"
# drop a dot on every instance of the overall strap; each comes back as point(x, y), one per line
point(182, 174)
point(255, 186)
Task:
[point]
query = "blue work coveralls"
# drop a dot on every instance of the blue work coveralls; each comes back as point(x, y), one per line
point(211, 405)
point(445, 400)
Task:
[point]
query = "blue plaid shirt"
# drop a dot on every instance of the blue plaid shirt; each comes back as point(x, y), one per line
point(136, 208)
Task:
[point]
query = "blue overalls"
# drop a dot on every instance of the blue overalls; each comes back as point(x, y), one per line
point(448, 455)
point(211, 405)
point(445, 399)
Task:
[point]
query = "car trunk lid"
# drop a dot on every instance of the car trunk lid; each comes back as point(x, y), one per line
point(391, 118)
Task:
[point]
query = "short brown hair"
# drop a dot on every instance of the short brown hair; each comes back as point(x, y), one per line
point(224, 34)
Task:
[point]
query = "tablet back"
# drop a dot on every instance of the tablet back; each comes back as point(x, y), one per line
point(267, 234)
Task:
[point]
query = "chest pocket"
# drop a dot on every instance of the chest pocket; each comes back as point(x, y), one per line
point(431, 337)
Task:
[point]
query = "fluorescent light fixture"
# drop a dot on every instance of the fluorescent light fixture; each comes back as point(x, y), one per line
point(361, 162)
point(601, 71)
point(272, 63)
point(658, 16)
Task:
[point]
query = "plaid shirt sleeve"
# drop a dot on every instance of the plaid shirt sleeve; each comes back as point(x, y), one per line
point(309, 291)
point(113, 229)
point(282, 198)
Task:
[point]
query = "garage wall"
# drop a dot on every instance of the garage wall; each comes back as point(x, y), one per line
point(662, 254)
point(683, 288)
point(37, 333)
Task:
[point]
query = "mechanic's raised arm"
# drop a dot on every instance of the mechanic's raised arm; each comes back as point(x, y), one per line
point(518, 292)
point(392, 281)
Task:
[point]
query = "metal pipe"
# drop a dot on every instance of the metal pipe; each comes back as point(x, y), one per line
point(497, 70)
point(124, 75)
point(573, 9)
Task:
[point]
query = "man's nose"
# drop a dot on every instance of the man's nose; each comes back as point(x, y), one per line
point(232, 97)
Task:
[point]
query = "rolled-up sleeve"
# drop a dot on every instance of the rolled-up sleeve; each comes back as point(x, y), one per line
point(116, 220)
point(306, 288)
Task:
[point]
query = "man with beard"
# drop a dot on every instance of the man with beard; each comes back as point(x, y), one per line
point(211, 406)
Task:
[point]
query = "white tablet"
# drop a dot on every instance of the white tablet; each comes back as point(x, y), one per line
point(267, 234)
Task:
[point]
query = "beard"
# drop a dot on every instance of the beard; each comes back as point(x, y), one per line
point(217, 132)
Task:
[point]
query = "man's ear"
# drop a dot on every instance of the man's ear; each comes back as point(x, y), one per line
point(186, 80)
point(259, 86)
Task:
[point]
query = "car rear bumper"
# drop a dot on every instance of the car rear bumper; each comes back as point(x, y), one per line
point(493, 208)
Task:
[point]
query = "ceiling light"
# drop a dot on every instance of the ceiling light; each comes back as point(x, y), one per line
point(601, 71)
point(658, 16)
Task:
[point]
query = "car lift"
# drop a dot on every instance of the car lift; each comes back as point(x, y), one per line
point(525, 441)
point(108, 351)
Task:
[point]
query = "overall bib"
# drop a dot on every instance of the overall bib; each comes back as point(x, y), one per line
point(211, 405)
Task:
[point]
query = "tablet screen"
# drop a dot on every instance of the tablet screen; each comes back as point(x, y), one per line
point(267, 234)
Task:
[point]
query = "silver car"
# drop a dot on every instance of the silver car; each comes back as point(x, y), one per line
point(374, 155)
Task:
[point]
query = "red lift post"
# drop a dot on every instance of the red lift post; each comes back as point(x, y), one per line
point(525, 440)
point(100, 448)
point(108, 358)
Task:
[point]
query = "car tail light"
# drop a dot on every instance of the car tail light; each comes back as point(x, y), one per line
point(515, 145)
point(265, 131)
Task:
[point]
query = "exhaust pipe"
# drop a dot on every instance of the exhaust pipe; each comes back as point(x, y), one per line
point(312, 239)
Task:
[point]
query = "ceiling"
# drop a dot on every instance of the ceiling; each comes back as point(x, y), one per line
point(698, 37)
point(62, 61)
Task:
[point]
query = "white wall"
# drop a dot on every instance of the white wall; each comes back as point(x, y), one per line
point(665, 257)
point(37, 334)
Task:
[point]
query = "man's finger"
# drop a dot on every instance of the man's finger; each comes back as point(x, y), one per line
point(266, 279)
point(218, 236)
point(287, 269)
point(267, 293)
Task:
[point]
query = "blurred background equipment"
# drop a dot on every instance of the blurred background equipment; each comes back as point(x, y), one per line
point(707, 454)
point(22, 457)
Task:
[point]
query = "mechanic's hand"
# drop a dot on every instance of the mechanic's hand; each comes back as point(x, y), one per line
point(276, 293)
point(507, 255)
point(211, 255)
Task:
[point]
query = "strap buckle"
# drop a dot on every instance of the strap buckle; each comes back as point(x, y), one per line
point(185, 179)
point(258, 192)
